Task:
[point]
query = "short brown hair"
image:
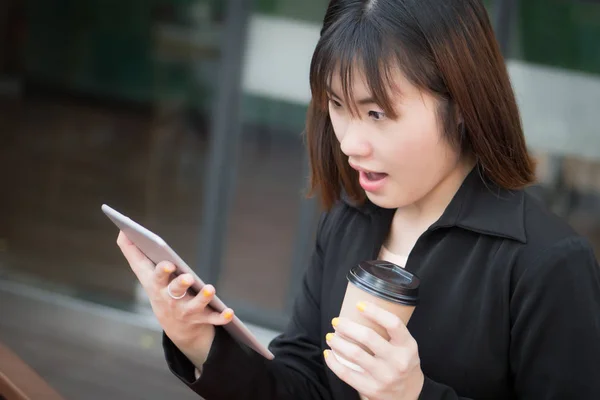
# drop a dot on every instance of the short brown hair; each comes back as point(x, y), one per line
point(446, 47)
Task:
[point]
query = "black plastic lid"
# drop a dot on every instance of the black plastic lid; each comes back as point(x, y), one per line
point(386, 280)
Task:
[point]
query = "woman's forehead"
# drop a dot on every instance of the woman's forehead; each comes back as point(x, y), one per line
point(355, 81)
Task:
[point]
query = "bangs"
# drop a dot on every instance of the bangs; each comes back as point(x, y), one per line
point(355, 50)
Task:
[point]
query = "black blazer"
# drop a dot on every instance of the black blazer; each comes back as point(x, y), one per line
point(510, 307)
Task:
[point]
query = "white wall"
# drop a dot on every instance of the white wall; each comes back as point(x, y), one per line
point(560, 109)
point(278, 58)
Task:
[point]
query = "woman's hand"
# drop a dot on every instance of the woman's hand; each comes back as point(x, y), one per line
point(188, 322)
point(393, 372)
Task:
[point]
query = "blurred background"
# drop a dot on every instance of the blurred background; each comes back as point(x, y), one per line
point(187, 115)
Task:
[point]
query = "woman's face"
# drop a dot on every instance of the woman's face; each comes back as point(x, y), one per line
point(402, 161)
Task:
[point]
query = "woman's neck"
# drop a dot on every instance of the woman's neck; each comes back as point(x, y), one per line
point(411, 221)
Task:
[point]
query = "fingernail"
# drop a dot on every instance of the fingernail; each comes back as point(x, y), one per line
point(361, 306)
point(325, 353)
point(207, 292)
point(228, 314)
point(187, 280)
point(335, 322)
point(329, 336)
point(169, 268)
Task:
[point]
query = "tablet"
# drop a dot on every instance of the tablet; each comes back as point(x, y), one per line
point(157, 250)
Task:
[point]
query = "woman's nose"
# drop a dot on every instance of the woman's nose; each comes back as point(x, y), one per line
point(354, 143)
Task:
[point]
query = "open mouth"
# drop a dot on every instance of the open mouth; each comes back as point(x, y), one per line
point(374, 176)
point(372, 181)
point(369, 180)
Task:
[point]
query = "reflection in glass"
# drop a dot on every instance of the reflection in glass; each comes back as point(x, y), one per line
point(113, 108)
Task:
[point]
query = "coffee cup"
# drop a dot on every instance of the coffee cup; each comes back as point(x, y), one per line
point(383, 284)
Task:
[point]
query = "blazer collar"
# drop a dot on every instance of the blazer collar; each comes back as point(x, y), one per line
point(479, 206)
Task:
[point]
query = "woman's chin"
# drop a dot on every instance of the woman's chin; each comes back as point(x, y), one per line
point(384, 200)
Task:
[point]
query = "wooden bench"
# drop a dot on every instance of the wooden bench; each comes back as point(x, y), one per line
point(19, 382)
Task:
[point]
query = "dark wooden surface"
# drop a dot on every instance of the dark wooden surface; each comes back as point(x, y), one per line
point(19, 382)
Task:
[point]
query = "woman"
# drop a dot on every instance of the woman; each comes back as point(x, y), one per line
point(418, 154)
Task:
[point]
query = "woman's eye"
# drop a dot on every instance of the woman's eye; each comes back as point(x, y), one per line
point(376, 115)
point(335, 103)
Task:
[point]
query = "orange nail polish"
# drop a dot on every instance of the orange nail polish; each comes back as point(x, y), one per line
point(329, 336)
point(335, 322)
point(361, 306)
point(325, 353)
point(228, 314)
point(187, 280)
point(168, 269)
point(207, 292)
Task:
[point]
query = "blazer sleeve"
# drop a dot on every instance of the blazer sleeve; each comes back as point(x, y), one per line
point(555, 317)
point(233, 371)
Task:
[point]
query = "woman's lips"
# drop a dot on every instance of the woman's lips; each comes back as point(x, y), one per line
point(371, 181)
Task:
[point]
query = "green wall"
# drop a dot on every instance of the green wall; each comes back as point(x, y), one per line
point(561, 33)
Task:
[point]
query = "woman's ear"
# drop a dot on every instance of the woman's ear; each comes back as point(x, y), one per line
point(460, 124)
point(458, 116)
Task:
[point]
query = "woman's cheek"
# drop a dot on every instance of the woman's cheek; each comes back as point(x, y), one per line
point(338, 125)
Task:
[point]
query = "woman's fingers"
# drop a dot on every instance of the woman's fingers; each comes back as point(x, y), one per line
point(200, 304)
point(188, 306)
point(141, 266)
point(202, 299)
point(179, 286)
point(162, 273)
point(223, 318)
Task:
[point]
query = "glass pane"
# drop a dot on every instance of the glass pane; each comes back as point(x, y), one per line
point(271, 176)
point(113, 107)
point(555, 69)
